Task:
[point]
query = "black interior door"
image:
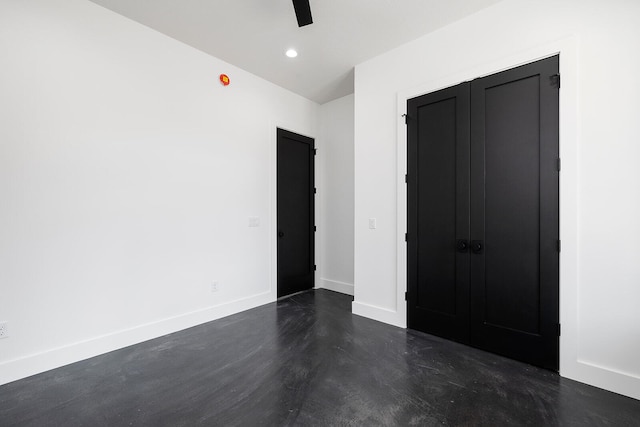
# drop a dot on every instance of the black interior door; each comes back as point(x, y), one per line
point(514, 213)
point(483, 213)
point(438, 176)
point(295, 211)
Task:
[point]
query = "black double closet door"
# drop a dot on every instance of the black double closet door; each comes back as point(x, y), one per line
point(483, 213)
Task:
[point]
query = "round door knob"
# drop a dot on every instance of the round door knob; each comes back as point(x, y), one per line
point(281, 234)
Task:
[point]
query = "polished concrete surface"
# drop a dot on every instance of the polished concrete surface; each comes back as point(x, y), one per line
point(306, 360)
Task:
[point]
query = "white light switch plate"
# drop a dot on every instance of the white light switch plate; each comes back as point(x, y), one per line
point(4, 330)
point(372, 223)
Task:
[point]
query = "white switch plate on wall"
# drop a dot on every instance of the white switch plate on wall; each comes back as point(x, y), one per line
point(254, 221)
point(4, 330)
point(372, 223)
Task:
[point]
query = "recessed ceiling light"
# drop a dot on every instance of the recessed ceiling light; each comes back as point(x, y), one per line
point(291, 53)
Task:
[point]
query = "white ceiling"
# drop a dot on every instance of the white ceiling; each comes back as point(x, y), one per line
point(254, 34)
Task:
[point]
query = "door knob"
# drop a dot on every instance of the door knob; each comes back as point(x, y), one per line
point(462, 246)
point(477, 246)
point(281, 234)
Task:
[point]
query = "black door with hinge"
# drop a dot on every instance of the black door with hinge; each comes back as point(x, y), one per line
point(483, 213)
point(438, 261)
point(295, 212)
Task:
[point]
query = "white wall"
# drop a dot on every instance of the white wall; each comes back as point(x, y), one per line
point(335, 226)
point(127, 176)
point(600, 200)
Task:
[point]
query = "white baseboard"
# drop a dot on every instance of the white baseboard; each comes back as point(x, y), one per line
point(336, 286)
point(605, 378)
point(380, 314)
point(23, 367)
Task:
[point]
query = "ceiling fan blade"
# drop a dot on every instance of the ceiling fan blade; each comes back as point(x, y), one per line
point(303, 12)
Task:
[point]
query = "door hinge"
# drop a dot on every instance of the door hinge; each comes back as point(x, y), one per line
point(406, 296)
point(315, 190)
point(554, 80)
point(559, 245)
point(559, 329)
point(315, 151)
point(406, 179)
point(315, 228)
point(406, 119)
point(315, 267)
point(559, 165)
point(406, 237)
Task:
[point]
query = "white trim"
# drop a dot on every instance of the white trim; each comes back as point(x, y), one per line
point(273, 210)
point(336, 286)
point(380, 314)
point(606, 378)
point(23, 367)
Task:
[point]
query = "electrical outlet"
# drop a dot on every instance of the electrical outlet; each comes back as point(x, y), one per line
point(4, 330)
point(214, 286)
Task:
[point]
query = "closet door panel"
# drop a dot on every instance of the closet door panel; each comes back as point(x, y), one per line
point(514, 215)
point(438, 188)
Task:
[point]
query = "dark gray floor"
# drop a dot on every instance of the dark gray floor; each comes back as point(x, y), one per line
point(306, 360)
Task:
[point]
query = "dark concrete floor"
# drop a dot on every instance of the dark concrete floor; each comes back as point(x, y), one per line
point(306, 360)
